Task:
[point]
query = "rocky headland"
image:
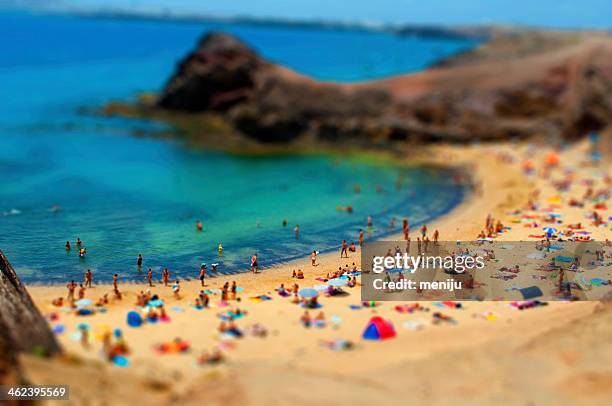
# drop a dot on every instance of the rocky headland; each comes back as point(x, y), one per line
point(517, 85)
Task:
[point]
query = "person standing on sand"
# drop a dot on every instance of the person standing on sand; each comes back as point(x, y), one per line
point(234, 290)
point(344, 250)
point(166, 276)
point(360, 237)
point(150, 277)
point(88, 278)
point(313, 258)
point(176, 288)
point(81, 291)
point(71, 287)
point(424, 231)
point(436, 235)
point(405, 228)
point(297, 231)
point(139, 261)
point(115, 281)
point(254, 265)
point(202, 273)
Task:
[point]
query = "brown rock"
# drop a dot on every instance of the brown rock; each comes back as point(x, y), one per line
point(22, 327)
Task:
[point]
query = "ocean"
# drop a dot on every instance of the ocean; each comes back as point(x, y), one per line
point(66, 172)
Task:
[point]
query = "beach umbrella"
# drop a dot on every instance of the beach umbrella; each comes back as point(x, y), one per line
point(308, 293)
point(337, 282)
point(83, 326)
point(84, 302)
point(550, 230)
point(134, 319)
point(155, 303)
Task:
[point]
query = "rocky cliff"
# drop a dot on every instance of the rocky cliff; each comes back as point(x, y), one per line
point(535, 84)
point(22, 327)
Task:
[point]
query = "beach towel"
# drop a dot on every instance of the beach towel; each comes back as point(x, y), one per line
point(338, 345)
point(121, 361)
point(413, 325)
point(59, 329)
point(562, 258)
point(173, 347)
point(531, 292)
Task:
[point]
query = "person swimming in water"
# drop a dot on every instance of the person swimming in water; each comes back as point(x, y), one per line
point(220, 250)
point(67, 245)
point(199, 226)
point(139, 261)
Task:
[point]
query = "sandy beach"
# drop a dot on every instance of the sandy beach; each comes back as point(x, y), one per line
point(480, 358)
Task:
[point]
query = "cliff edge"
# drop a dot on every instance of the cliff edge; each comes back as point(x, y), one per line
point(22, 327)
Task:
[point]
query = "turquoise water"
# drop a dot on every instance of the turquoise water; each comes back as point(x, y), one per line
point(124, 195)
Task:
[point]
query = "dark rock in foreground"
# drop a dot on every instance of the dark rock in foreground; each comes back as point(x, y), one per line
point(513, 87)
point(22, 327)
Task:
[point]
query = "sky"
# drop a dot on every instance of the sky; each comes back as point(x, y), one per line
point(545, 13)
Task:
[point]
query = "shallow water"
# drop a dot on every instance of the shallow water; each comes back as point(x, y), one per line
point(124, 195)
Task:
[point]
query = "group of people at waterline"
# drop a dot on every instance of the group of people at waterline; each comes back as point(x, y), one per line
point(204, 271)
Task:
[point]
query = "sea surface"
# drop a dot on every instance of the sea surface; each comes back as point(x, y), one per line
point(68, 173)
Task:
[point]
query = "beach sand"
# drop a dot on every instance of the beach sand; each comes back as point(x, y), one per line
point(557, 354)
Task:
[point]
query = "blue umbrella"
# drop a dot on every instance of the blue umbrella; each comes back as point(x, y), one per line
point(155, 303)
point(550, 230)
point(308, 293)
point(84, 302)
point(337, 282)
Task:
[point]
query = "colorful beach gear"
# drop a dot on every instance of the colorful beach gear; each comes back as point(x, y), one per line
point(378, 329)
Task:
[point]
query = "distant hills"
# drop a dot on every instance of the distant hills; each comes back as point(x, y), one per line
point(423, 30)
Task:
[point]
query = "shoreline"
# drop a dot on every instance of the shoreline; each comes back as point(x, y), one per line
point(462, 213)
point(384, 157)
point(292, 356)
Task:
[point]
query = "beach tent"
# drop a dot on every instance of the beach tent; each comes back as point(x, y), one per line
point(378, 329)
point(134, 319)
